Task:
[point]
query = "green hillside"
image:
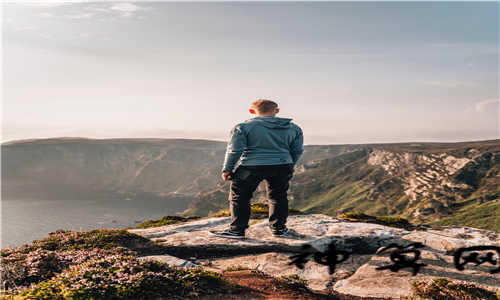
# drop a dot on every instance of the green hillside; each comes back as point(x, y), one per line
point(479, 215)
point(443, 185)
point(345, 183)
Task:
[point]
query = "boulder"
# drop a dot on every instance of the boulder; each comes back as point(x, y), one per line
point(171, 260)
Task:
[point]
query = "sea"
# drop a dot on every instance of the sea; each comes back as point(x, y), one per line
point(23, 221)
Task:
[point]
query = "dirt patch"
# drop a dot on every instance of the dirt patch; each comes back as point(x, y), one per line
point(258, 285)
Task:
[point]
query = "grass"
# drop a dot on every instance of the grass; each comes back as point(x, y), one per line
point(479, 215)
point(344, 183)
point(166, 220)
point(336, 198)
point(295, 282)
point(444, 289)
point(235, 268)
point(257, 211)
point(393, 221)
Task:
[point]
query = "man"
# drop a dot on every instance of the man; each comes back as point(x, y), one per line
point(267, 148)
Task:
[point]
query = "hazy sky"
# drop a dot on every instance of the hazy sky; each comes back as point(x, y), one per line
point(346, 72)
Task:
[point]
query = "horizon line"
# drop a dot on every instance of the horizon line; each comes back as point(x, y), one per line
point(8, 142)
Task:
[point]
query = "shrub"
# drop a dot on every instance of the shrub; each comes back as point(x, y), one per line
point(295, 282)
point(112, 276)
point(83, 240)
point(355, 215)
point(166, 220)
point(444, 289)
point(20, 270)
point(235, 268)
point(43, 259)
point(257, 210)
point(222, 213)
point(98, 264)
point(393, 221)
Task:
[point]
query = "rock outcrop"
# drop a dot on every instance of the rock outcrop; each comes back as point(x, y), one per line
point(190, 244)
point(435, 176)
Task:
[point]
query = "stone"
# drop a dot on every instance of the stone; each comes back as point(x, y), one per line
point(171, 260)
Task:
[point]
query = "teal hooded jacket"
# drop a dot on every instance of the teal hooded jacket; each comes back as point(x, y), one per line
point(264, 140)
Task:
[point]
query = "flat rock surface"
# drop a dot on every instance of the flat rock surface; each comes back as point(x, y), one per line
point(450, 238)
point(278, 264)
point(367, 281)
point(319, 230)
point(356, 276)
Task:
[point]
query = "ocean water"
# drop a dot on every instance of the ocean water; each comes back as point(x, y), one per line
point(23, 221)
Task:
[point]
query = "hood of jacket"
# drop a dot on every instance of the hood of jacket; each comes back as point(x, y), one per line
point(273, 122)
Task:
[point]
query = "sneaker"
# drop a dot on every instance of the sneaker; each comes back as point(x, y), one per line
point(228, 233)
point(285, 232)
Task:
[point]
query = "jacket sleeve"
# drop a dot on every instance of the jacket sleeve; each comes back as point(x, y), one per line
point(297, 146)
point(235, 147)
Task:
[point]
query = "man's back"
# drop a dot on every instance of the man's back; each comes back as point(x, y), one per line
point(268, 148)
point(264, 140)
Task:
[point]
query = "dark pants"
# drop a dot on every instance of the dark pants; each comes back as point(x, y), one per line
point(244, 183)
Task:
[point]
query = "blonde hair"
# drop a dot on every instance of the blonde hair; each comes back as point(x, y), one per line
point(264, 105)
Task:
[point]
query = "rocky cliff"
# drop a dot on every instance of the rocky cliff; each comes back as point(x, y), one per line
point(439, 177)
point(455, 185)
point(190, 245)
point(450, 183)
point(76, 168)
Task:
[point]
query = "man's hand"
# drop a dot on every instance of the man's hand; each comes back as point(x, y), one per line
point(227, 175)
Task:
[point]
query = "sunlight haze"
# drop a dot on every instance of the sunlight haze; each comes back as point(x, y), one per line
point(346, 72)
